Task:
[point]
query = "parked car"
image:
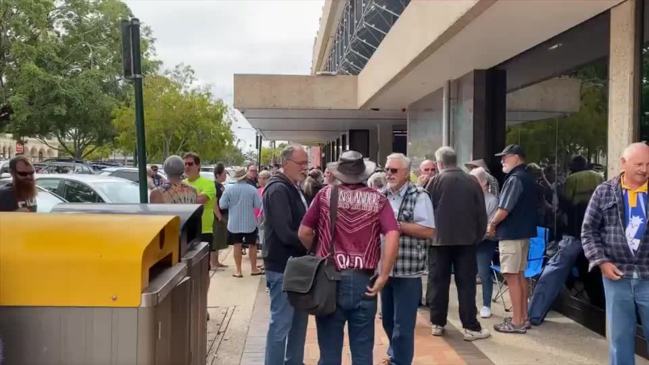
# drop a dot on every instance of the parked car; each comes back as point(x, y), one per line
point(129, 173)
point(45, 200)
point(90, 188)
point(66, 167)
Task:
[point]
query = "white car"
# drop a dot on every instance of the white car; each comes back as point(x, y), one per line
point(90, 188)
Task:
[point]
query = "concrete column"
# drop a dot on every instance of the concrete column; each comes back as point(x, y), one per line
point(446, 114)
point(384, 132)
point(623, 99)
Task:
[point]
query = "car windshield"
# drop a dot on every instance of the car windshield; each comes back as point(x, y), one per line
point(46, 201)
point(119, 191)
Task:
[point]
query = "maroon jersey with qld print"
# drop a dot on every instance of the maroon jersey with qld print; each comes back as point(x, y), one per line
point(363, 215)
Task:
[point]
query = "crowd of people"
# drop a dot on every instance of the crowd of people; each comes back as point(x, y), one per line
point(391, 229)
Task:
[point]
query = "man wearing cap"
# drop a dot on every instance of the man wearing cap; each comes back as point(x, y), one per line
point(401, 295)
point(363, 214)
point(513, 225)
point(241, 200)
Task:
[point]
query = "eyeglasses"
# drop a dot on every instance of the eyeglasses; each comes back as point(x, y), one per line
point(300, 163)
point(391, 170)
point(429, 169)
point(189, 164)
point(25, 173)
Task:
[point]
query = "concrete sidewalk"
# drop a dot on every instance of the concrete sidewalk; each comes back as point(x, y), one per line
point(239, 316)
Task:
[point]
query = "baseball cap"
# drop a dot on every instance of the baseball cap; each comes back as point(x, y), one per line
point(512, 149)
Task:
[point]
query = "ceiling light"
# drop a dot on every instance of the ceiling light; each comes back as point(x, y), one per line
point(555, 46)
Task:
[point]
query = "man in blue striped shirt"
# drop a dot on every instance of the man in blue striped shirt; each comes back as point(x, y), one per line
point(241, 200)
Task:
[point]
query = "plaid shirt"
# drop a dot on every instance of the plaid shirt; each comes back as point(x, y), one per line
point(411, 260)
point(603, 232)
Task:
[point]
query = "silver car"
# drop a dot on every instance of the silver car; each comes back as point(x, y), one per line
point(90, 188)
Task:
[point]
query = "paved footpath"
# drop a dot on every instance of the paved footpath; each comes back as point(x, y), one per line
point(239, 310)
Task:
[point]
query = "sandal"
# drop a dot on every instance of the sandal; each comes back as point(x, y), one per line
point(237, 276)
point(257, 273)
point(509, 327)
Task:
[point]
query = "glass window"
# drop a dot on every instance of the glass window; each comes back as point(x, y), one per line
point(462, 118)
point(119, 191)
point(49, 184)
point(557, 110)
point(126, 174)
point(46, 201)
point(644, 84)
point(76, 192)
point(425, 127)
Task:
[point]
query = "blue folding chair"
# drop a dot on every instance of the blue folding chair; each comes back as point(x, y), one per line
point(535, 262)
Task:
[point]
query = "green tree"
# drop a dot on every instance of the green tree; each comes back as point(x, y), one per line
point(178, 118)
point(66, 84)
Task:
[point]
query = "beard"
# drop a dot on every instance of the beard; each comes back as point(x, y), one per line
point(25, 190)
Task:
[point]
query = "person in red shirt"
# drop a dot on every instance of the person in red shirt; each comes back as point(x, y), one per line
point(364, 214)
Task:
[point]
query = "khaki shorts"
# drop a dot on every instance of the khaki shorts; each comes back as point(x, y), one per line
point(513, 255)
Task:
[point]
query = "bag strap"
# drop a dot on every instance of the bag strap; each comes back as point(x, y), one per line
point(333, 215)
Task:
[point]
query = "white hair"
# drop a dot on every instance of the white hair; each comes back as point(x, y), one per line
point(480, 174)
point(400, 157)
point(287, 153)
point(377, 181)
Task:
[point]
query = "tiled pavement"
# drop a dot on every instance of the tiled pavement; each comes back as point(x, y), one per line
point(448, 350)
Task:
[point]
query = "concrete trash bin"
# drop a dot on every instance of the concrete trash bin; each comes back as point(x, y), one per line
point(193, 253)
point(74, 289)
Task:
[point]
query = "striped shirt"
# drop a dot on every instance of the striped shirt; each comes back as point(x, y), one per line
point(241, 200)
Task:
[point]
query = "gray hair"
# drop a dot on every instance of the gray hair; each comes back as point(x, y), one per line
point(400, 157)
point(174, 166)
point(264, 174)
point(377, 181)
point(446, 155)
point(480, 174)
point(287, 153)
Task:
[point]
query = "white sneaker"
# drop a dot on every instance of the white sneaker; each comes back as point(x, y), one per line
point(437, 330)
point(485, 312)
point(475, 335)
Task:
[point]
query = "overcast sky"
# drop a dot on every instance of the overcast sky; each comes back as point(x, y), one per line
point(219, 38)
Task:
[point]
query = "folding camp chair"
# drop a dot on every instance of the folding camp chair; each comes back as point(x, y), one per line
point(535, 262)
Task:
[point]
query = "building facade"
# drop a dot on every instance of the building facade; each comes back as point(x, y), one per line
point(559, 78)
point(32, 148)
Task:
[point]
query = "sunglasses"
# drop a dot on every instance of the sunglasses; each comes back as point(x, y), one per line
point(189, 164)
point(430, 169)
point(25, 173)
point(391, 170)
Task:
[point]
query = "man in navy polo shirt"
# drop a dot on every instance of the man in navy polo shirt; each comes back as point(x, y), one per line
point(514, 224)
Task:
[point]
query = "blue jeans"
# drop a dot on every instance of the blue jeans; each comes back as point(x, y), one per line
point(399, 301)
point(359, 314)
point(622, 298)
point(287, 328)
point(484, 255)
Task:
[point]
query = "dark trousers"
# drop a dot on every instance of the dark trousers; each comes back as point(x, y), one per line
point(462, 260)
point(399, 302)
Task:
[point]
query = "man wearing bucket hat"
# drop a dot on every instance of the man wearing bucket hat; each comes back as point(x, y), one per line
point(513, 225)
point(363, 215)
point(241, 200)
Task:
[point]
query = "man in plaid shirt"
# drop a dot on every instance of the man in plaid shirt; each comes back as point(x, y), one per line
point(401, 295)
point(615, 238)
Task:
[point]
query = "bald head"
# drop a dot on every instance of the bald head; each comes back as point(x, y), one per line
point(635, 164)
point(427, 167)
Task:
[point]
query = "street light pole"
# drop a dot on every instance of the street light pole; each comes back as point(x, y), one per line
point(133, 70)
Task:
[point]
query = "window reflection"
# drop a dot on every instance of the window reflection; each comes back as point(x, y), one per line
point(557, 109)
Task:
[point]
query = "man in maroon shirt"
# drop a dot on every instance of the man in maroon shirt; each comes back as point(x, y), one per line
point(363, 215)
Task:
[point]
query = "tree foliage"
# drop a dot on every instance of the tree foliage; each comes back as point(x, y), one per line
point(60, 62)
point(178, 118)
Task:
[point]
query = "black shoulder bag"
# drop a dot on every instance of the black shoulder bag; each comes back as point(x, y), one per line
point(310, 281)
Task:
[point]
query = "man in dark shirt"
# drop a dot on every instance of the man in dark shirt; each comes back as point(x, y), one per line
point(20, 194)
point(514, 224)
